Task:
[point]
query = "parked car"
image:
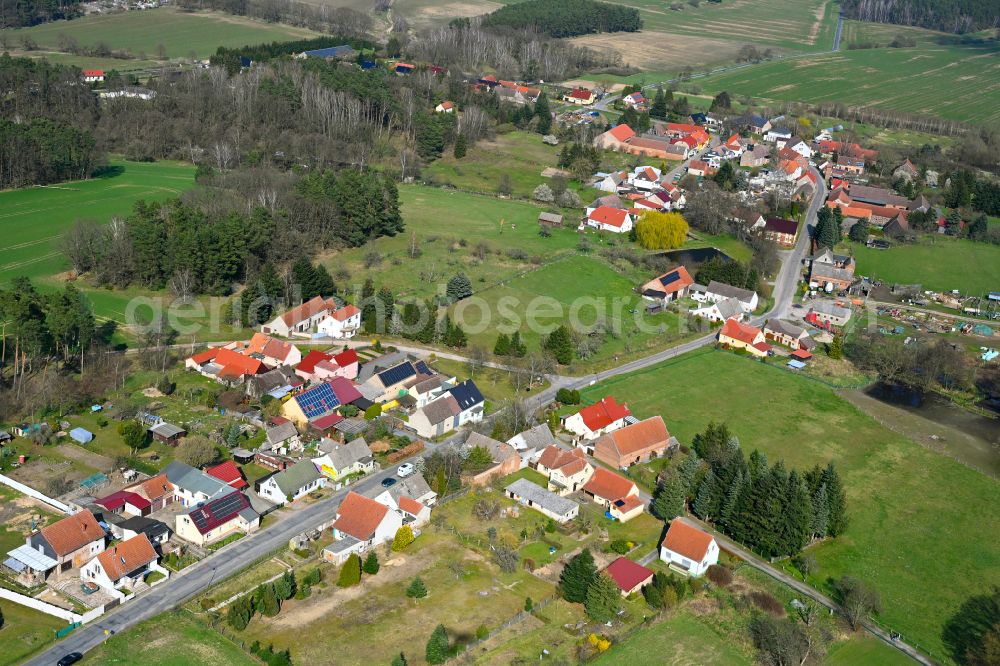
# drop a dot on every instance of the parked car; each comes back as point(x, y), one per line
point(388, 481)
point(405, 470)
point(69, 659)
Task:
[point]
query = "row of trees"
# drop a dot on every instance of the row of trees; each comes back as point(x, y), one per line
point(32, 12)
point(772, 510)
point(958, 16)
point(566, 18)
point(266, 599)
point(733, 273)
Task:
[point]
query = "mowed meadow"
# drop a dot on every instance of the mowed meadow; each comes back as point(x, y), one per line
point(937, 77)
point(922, 526)
point(182, 34)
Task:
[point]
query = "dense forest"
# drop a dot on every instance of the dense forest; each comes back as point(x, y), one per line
point(566, 18)
point(23, 13)
point(958, 16)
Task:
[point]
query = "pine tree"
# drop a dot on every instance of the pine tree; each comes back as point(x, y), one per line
point(731, 504)
point(459, 287)
point(668, 500)
point(428, 333)
point(438, 650)
point(707, 500)
point(269, 604)
point(659, 108)
point(368, 308)
point(757, 465)
point(502, 347)
point(517, 346)
point(603, 599)
point(836, 502)
point(417, 589)
point(687, 470)
point(350, 573)
point(836, 350)
point(577, 576)
point(440, 486)
point(859, 232)
point(560, 344)
point(820, 513)
point(371, 565)
point(544, 114)
point(461, 146)
point(796, 516)
point(239, 613)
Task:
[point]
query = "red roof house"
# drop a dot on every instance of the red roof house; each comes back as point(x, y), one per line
point(598, 418)
point(629, 576)
point(611, 219)
point(229, 473)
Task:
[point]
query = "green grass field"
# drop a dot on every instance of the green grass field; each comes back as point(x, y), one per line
point(173, 639)
point(909, 80)
point(33, 220)
point(181, 34)
point(680, 640)
point(911, 509)
point(865, 651)
point(24, 632)
point(936, 262)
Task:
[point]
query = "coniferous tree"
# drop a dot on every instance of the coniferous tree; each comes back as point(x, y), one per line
point(758, 465)
point(708, 499)
point(517, 346)
point(820, 513)
point(417, 589)
point(502, 347)
point(731, 504)
point(371, 565)
point(687, 470)
point(438, 649)
point(459, 287)
point(368, 307)
point(836, 501)
point(544, 114)
point(659, 107)
point(350, 573)
point(577, 576)
point(461, 147)
point(603, 599)
point(560, 344)
point(269, 604)
point(796, 515)
point(399, 660)
point(668, 500)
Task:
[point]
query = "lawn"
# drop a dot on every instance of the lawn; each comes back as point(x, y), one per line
point(494, 384)
point(936, 262)
point(909, 80)
point(679, 640)
point(865, 651)
point(173, 639)
point(25, 631)
point(911, 509)
point(181, 34)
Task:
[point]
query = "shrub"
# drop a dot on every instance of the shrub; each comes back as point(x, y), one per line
point(568, 397)
point(767, 603)
point(528, 604)
point(482, 632)
point(404, 537)
point(373, 412)
point(371, 565)
point(350, 573)
point(417, 589)
point(620, 546)
point(719, 575)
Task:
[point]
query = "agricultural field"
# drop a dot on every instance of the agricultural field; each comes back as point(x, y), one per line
point(909, 506)
point(173, 639)
point(907, 79)
point(181, 34)
point(936, 262)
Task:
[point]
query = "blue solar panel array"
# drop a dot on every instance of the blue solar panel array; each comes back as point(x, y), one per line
point(668, 278)
point(422, 368)
point(317, 401)
point(218, 511)
point(467, 394)
point(397, 374)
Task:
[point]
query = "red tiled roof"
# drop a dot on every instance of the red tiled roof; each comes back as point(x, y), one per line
point(72, 533)
point(580, 93)
point(346, 358)
point(308, 364)
point(410, 505)
point(204, 357)
point(127, 556)
point(640, 436)
point(687, 128)
point(613, 217)
point(608, 485)
point(739, 331)
point(346, 312)
point(687, 541)
point(310, 308)
point(359, 516)
point(229, 473)
point(118, 499)
point(622, 132)
point(555, 457)
point(328, 421)
point(93, 72)
point(698, 165)
point(155, 488)
point(236, 364)
point(762, 347)
point(628, 504)
point(627, 574)
point(344, 389)
point(604, 413)
point(801, 354)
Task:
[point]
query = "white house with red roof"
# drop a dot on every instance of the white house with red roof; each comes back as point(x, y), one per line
point(93, 75)
point(446, 106)
point(645, 178)
point(302, 319)
point(123, 566)
point(687, 549)
point(615, 138)
point(320, 366)
point(594, 420)
point(619, 496)
point(341, 323)
point(361, 523)
point(615, 220)
point(225, 365)
point(567, 469)
point(580, 96)
point(635, 101)
point(733, 146)
point(734, 334)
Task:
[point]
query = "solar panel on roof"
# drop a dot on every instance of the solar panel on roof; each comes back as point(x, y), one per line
point(397, 374)
point(668, 278)
point(217, 510)
point(422, 368)
point(318, 401)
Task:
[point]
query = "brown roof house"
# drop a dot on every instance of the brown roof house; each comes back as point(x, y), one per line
point(361, 523)
point(505, 458)
point(120, 568)
point(69, 543)
point(568, 470)
point(618, 495)
point(634, 443)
